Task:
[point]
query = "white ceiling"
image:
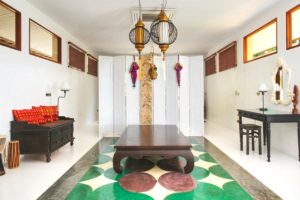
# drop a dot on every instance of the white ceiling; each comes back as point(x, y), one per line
point(104, 24)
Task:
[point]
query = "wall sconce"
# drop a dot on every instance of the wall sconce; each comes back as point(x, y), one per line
point(48, 91)
point(65, 87)
point(263, 89)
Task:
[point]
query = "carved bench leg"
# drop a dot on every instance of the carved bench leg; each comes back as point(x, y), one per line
point(48, 157)
point(189, 161)
point(118, 156)
point(72, 141)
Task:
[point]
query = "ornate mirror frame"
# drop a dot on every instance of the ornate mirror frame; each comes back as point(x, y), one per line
point(277, 89)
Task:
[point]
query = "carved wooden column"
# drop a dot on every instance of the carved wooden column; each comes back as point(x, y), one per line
point(145, 91)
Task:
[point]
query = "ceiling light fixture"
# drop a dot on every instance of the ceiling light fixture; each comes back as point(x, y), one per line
point(163, 31)
point(139, 35)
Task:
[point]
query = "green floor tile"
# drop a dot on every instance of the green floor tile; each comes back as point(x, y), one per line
point(93, 172)
point(219, 171)
point(204, 191)
point(207, 158)
point(103, 159)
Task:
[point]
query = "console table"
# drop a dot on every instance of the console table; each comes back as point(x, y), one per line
point(268, 117)
point(153, 140)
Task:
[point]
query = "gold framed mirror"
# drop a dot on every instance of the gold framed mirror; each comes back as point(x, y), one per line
point(10, 26)
point(281, 80)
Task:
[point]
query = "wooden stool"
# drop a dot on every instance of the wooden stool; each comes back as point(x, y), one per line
point(2, 147)
point(251, 131)
point(13, 154)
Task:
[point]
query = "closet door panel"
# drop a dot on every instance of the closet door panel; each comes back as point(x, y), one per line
point(172, 109)
point(184, 96)
point(197, 96)
point(105, 96)
point(132, 96)
point(119, 94)
point(159, 94)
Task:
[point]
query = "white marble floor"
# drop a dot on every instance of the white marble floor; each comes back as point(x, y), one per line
point(282, 174)
point(34, 175)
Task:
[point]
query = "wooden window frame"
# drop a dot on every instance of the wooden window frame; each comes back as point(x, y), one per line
point(254, 32)
point(289, 27)
point(89, 56)
point(18, 27)
point(234, 43)
point(215, 69)
point(71, 44)
point(44, 57)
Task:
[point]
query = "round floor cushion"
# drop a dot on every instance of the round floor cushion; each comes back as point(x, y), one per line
point(178, 182)
point(137, 182)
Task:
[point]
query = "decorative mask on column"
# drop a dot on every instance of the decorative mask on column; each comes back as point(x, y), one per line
point(133, 72)
point(153, 68)
point(153, 71)
point(178, 67)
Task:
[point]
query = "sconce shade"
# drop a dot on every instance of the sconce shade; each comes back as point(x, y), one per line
point(263, 88)
point(65, 86)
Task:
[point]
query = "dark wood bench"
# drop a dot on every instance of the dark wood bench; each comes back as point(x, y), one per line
point(45, 138)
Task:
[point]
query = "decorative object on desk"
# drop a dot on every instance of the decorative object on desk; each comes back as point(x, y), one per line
point(295, 99)
point(178, 68)
point(65, 87)
point(133, 71)
point(263, 89)
point(13, 154)
point(281, 84)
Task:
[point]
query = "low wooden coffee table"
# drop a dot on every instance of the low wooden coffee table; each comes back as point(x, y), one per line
point(166, 141)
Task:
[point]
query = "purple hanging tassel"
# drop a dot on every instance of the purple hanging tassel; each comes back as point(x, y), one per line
point(133, 72)
point(178, 68)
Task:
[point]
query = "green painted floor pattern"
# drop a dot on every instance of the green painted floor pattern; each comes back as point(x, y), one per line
point(100, 182)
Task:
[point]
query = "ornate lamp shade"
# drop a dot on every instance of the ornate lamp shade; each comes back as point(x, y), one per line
point(163, 32)
point(139, 36)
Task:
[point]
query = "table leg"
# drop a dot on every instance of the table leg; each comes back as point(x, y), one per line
point(189, 161)
point(118, 156)
point(299, 138)
point(247, 142)
point(268, 131)
point(241, 133)
point(2, 171)
point(264, 132)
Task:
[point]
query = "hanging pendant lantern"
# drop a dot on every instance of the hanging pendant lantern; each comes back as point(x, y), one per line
point(163, 31)
point(139, 35)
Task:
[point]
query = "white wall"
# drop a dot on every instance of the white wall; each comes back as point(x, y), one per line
point(171, 104)
point(25, 78)
point(245, 78)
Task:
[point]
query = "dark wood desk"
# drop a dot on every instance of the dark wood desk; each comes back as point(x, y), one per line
point(268, 117)
point(153, 140)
